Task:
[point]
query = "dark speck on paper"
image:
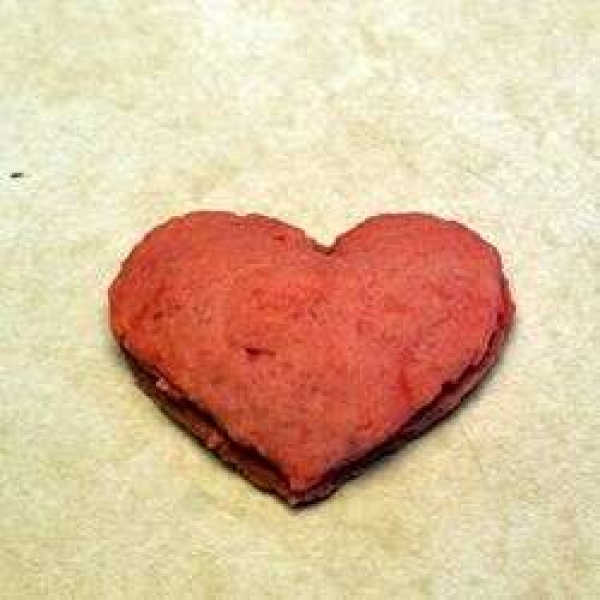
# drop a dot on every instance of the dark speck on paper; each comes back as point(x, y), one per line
point(16, 175)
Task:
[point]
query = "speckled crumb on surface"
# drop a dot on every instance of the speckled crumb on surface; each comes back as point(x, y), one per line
point(320, 114)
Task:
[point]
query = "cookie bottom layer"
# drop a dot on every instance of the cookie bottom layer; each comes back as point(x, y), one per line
point(264, 474)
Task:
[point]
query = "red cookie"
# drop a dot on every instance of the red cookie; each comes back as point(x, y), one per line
point(297, 363)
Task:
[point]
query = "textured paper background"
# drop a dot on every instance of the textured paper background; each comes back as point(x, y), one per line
point(121, 114)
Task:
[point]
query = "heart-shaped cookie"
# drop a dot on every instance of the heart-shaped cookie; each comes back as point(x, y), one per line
point(298, 363)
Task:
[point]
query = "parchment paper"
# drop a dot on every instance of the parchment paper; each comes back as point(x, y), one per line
point(121, 114)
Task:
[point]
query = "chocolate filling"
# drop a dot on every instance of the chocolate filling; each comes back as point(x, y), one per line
point(265, 474)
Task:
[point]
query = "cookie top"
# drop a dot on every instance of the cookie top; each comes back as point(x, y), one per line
point(309, 356)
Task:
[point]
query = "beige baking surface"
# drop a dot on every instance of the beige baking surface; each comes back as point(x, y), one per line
point(120, 115)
